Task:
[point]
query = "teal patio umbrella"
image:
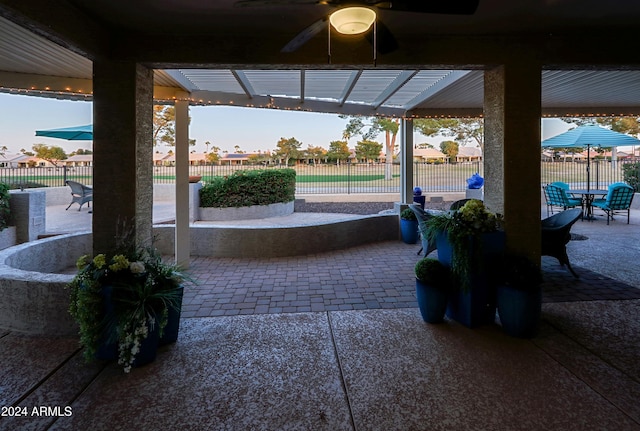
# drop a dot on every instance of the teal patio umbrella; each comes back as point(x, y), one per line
point(587, 137)
point(77, 133)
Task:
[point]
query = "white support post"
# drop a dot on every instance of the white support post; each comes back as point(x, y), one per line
point(406, 161)
point(182, 235)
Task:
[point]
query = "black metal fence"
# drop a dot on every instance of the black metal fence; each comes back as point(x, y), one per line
point(340, 179)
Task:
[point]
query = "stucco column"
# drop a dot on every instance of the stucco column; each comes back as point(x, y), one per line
point(182, 238)
point(406, 161)
point(122, 152)
point(512, 111)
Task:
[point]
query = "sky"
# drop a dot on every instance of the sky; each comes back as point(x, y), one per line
point(225, 127)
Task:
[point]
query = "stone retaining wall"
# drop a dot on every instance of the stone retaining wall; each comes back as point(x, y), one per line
point(34, 298)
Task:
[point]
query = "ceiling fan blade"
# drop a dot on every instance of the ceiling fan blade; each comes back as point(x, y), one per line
point(453, 7)
point(305, 35)
point(250, 3)
point(386, 42)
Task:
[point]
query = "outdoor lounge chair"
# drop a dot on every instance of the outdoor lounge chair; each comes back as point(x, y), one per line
point(556, 196)
point(80, 194)
point(556, 233)
point(618, 199)
point(423, 216)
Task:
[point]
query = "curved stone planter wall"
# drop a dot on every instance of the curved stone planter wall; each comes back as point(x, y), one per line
point(248, 241)
point(34, 298)
point(246, 213)
point(35, 301)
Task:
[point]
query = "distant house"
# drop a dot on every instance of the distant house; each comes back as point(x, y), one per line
point(469, 154)
point(428, 155)
point(11, 160)
point(159, 159)
point(36, 162)
point(236, 158)
point(195, 159)
point(79, 160)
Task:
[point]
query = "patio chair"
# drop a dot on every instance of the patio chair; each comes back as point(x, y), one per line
point(618, 199)
point(423, 216)
point(556, 233)
point(80, 194)
point(556, 196)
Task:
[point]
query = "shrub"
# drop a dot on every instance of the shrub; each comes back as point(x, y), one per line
point(408, 214)
point(247, 188)
point(5, 211)
point(631, 173)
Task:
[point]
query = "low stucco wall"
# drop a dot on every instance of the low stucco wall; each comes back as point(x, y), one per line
point(34, 298)
point(246, 213)
point(247, 241)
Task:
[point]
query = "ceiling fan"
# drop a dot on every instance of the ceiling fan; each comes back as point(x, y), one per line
point(385, 40)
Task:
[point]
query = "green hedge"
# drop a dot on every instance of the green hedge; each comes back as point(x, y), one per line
point(5, 212)
point(247, 188)
point(631, 172)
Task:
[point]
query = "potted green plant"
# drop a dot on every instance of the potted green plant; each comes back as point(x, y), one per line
point(121, 303)
point(469, 240)
point(519, 296)
point(408, 226)
point(433, 281)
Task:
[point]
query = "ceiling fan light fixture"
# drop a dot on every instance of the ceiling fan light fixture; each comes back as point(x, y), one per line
point(352, 20)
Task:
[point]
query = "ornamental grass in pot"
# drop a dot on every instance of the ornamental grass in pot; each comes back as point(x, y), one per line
point(121, 303)
point(469, 240)
point(433, 282)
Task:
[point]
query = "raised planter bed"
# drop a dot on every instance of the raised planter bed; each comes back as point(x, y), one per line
point(246, 213)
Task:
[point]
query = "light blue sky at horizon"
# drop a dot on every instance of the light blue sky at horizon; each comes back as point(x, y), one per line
point(250, 128)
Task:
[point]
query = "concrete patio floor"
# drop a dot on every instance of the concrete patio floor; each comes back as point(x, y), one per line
point(360, 357)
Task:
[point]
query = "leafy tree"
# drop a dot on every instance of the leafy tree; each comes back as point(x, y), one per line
point(315, 153)
point(237, 149)
point(627, 125)
point(338, 150)
point(287, 149)
point(450, 148)
point(27, 153)
point(164, 126)
point(461, 129)
point(369, 128)
point(52, 154)
point(368, 150)
point(212, 157)
point(425, 145)
point(3, 149)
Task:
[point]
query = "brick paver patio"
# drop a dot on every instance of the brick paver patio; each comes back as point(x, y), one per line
point(374, 276)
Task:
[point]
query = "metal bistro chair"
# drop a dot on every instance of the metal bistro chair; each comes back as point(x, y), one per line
point(618, 199)
point(80, 194)
point(556, 233)
point(556, 196)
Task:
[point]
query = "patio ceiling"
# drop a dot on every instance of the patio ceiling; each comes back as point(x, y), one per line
point(34, 65)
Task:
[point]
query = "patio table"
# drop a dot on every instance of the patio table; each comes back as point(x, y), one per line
point(587, 198)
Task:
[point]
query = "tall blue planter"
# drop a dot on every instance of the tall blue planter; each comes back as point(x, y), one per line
point(148, 347)
point(519, 311)
point(432, 302)
point(475, 306)
point(170, 334)
point(108, 348)
point(409, 231)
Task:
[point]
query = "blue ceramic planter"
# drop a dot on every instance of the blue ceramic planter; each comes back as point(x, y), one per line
point(170, 334)
point(409, 231)
point(431, 301)
point(476, 305)
point(519, 311)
